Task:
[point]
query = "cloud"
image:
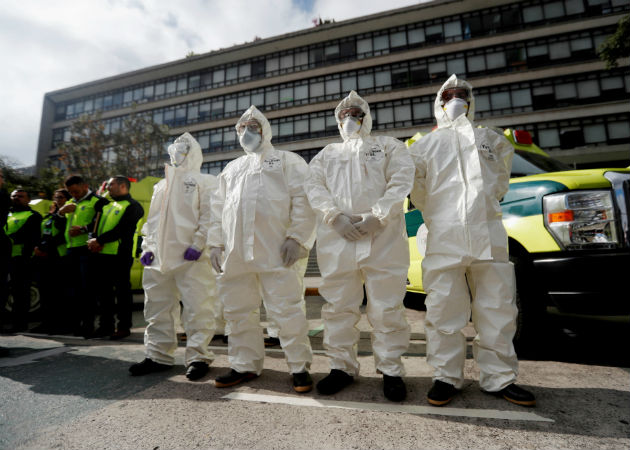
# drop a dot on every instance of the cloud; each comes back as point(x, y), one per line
point(46, 46)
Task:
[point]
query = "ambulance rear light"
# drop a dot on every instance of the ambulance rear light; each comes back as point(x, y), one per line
point(522, 137)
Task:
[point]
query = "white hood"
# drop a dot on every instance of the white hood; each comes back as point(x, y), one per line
point(254, 113)
point(194, 158)
point(354, 100)
point(440, 114)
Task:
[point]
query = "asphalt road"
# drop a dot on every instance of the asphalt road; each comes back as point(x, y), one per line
point(67, 393)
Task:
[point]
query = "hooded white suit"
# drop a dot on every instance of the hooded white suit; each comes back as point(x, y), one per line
point(179, 217)
point(462, 172)
point(362, 175)
point(260, 202)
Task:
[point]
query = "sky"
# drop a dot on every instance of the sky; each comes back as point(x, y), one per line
point(49, 45)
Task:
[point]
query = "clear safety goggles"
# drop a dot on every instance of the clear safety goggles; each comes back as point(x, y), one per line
point(450, 94)
point(181, 148)
point(250, 125)
point(352, 112)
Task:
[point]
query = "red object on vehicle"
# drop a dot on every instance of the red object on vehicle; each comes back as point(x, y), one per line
point(523, 137)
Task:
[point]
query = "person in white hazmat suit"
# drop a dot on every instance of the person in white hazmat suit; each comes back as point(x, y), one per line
point(261, 230)
point(357, 188)
point(176, 267)
point(462, 172)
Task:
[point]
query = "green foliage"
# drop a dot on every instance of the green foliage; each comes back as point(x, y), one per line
point(43, 185)
point(618, 45)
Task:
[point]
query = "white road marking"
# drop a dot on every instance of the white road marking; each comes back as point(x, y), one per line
point(409, 409)
point(31, 357)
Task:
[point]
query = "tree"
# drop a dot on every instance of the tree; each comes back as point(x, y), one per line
point(618, 45)
point(47, 181)
point(138, 146)
point(86, 153)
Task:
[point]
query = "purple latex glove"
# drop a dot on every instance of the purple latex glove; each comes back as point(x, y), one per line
point(147, 258)
point(192, 254)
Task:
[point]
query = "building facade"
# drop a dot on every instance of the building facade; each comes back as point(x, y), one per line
point(533, 64)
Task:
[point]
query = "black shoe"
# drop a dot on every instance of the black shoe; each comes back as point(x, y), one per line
point(302, 382)
point(233, 378)
point(272, 341)
point(335, 381)
point(120, 334)
point(441, 393)
point(394, 388)
point(197, 370)
point(515, 394)
point(147, 366)
point(99, 333)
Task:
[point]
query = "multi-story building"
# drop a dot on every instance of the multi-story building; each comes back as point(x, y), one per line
point(533, 63)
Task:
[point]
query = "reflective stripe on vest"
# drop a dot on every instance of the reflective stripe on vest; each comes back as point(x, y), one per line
point(15, 221)
point(112, 213)
point(82, 216)
point(49, 229)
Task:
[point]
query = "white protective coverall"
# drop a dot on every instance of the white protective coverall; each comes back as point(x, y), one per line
point(260, 202)
point(179, 217)
point(462, 172)
point(363, 175)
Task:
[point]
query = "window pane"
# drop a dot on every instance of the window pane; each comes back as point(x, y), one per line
point(216, 137)
point(402, 113)
point(193, 112)
point(301, 92)
point(171, 86)
point(496, 60)
point(476, 63)
point(364, 45)
point(607, 84)
point(619, 130)
point(559, 50)
point(437, 68)
point(128, 96)
point(383, 78)
point(331, 122)
point(500, 100)
point(286, 95)
point(548, 138)
point(272, 64)
point(300, 59)
point(573, 7)
point(581, 44)
point(398, 39)
point(385, 115)
point(230, 105)
point(271, 98)
point(204, 141)
point(182, 85)
point(286, 129)
point(457, 66)
point(258, 99)
point(316, 89)
point(332, 87)
point(300, 126)
point(318, 124)
point(349, 84)
point(286, 61)
point(416, 36)
point(421, 110)
point(452, 29)
point(554, 9)
point(366, 81)
point(381, 43)
point(243, 102)
point(594, 133)
point(218, 76)
point(521, 97)
point(587, 89)
point(244, 71)
point(566, 90)
point(482, 102)
point(231, 73)
point(532, 14)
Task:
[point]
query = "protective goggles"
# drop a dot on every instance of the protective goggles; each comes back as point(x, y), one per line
point(353, 111)
point(250, 125)
point(450, 94)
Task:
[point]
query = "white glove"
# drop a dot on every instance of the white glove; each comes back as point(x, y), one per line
point(343, 225)
point(216, 258)
point(291, 251)
point(369, 225)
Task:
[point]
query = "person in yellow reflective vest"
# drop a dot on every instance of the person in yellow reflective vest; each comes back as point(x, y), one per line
point(50, 264)
point(5, 255)
point(23, 228)
point(113, 243)
point(80, 212)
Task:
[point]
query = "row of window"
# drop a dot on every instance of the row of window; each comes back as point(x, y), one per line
point(489, 101)
point(447, 29)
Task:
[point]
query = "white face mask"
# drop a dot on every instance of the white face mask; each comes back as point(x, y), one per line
point(455, 107)
point(178, 152)
point(251, 141)
point(351, 125)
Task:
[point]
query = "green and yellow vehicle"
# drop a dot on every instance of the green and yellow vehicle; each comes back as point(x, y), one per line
point(568, 236)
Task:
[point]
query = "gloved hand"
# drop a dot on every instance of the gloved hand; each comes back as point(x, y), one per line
point(147, 258)
point(369, 224)
point(291, 251)
point(192, 254)
point(216, 256)
point(343, 225)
